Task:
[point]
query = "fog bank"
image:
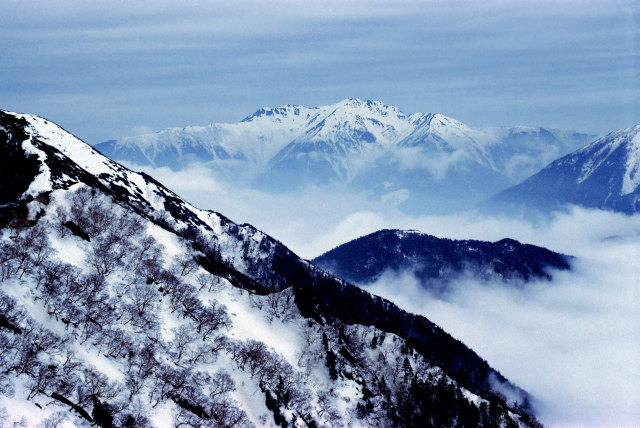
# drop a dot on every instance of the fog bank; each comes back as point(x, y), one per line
point(574, 343)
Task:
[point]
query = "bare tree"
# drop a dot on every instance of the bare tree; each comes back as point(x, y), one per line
point(8, 256)
point(257, 301)
point(221, 384)
point(94, 384)
point(108, 252)
point(25, 251)
point(211, 318)
point(183, 265)
point(141, 311)
point(143, 262)
point(206, 352)
point(142, 365)
point(91, 212)
point(210, 282)
point(183, 337)
point(281, 305)
point(37, 242)
point(116, 343)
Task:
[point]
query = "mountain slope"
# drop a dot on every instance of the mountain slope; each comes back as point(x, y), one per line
point(365, 145)
point(126, 305)
point(435, 261)
point(605, 174)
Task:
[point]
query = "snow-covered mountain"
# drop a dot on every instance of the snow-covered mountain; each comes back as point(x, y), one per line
point(366, 145)
point(436, 261)
point(123, 305)
point(605, 174)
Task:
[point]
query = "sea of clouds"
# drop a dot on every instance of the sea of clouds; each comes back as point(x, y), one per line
point(573, 342)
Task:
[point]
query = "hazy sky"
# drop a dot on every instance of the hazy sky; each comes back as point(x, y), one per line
point(104, 69)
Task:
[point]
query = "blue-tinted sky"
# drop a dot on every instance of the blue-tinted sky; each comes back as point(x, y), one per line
point(104, 69)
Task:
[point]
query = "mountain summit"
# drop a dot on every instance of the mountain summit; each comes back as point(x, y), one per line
point(435, 262)
point(123, 305)
point(439, 162)
point(605, 174)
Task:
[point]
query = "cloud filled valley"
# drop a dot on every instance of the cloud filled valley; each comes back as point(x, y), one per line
point(320, 214)
point(571, 342)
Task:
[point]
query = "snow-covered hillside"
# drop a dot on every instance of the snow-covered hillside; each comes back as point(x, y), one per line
point(605, 174)
point(123, 305)
point(365, 145)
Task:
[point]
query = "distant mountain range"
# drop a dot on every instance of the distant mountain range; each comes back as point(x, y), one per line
point(436, 261)
point(605, 174)
point(424, 161)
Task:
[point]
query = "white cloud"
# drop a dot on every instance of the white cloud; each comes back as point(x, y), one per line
point(195, 180)
point(316, 219)
point(437, 162)
point(396, 197)
point(309, 222)
point(573, 342)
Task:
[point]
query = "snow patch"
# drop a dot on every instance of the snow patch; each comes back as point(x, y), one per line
point(631, 177)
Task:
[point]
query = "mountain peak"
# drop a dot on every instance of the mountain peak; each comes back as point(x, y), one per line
point(361, 143)
point(370, 106)
point(629, 139)
point(348, 104)
point(273, 112)
point(62, 143)
point(437, 261)
point(357, 102)
point(604, 174)
point(626, 136)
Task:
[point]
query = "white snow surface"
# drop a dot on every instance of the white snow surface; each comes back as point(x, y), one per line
point(599, 151)
point(350, 135)
point(631, 177)
point(83, 154)
point(146, 192)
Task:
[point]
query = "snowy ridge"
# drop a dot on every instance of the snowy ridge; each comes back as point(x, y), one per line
point(141, 191)
point(123, 305)
point(600, 151)
point(352, 142)
point(605, 174)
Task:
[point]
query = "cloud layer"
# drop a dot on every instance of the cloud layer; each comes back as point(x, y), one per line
point(572, 342)
point(317, 219)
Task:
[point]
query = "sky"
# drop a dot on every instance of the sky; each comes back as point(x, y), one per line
point(105, 69)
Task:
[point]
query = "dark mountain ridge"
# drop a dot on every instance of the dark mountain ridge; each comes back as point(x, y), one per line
point(435, 261)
